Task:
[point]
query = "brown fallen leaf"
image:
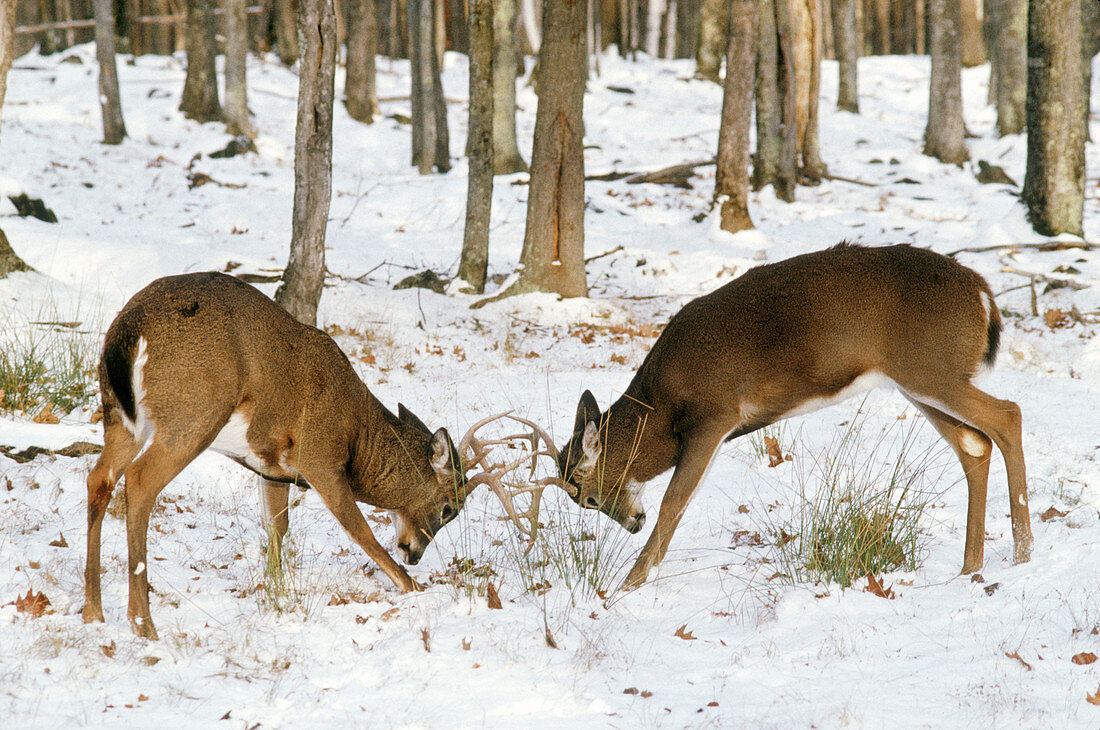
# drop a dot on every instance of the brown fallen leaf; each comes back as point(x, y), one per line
point(35, 604)
point(466, 644)
point(426, 638)
point(645, 693)
point(1085, 657)
point(59, 542)
point(684, 634)
point(775, 454)
point(875, 588)
point(386, 616)
point(630, 691)
point(1095, 698)
point(46, 415)
point(143, 698)
point(746, 538)
point(1051, 514)
point(1016, 655)
point(360, 619)
point(108, 649)
point(494, 598)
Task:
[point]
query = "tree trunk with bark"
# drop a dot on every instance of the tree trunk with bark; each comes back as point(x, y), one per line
point(360, 89)
point(943, 136)
point(776, 123)
point(237, 119)
point(731, 184)
point(9, 260)
point(200, 87)
point(553, 244)
point(972, 47)
point(1054, 184)
point(806, 42)
point(300, 291)
point(7, 46)
point(506, 156)
point(713, 21)
point(846, 43)
point(110, 101)
point(479, 148)
point(430, 141)
point(1008, 54)
point(286, 31)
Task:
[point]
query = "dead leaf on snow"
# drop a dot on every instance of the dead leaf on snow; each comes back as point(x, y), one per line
point(35, 604)
point(1016, 655)
point(59, 542)
point(1085, 657)
point(875, 588)
point(684, 634)
point(108, 649)
point(494, 599)
point(1095, 698)
point(1051, 514)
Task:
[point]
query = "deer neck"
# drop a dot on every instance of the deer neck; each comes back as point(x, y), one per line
point(384, 460)
point(643, 431)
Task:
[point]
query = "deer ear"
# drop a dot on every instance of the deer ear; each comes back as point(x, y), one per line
point(443, 456)
point(410, 418)
point(590, 445)
point(587, 412)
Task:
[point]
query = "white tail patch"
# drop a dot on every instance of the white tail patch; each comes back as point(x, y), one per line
point(142, 427)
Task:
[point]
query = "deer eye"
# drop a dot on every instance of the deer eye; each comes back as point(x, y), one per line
point(591, 502)
point(447, 513)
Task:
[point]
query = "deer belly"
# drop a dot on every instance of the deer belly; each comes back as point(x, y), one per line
point(867, 381)
point(232, 441)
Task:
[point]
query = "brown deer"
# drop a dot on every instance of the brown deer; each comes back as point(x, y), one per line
point(204, 361)
point(787, 338)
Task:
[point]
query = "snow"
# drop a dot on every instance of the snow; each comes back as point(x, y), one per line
point(341, 646)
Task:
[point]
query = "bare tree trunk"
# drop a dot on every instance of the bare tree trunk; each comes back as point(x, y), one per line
point(360, 90)
point(430, 140)
point(110, 102)
point(1054, 185)
point(776, 120)
point(237, 120)
point(479, 148)
point(654, 12)
point(286, 31)
point(880, 15)
point(713, 20)
point(972, 48)
point(7, 46)
point(200, 88)
point(553, 245)
point(806, 42)
point(531, 29)
point(668, 30)
point(506, 155)
point(846, 40)
point(943, 136)
point(1008, 52)
point(300, 291)
point(731, 184)
point(687, 28)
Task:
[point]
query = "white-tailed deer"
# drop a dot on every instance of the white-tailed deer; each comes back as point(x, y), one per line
point(788, 338)
point(204, 361)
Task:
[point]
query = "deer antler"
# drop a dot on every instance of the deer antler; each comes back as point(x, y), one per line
point(476, 452)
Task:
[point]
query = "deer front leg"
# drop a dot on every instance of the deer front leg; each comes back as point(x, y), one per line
point(275, 497)
point(695, 457)
point(337, 496)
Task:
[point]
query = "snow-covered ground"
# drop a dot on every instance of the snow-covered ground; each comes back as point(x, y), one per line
point(717, 640)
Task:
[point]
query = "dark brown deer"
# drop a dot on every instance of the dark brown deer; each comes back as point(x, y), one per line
point(204, 361)
point(787, 338)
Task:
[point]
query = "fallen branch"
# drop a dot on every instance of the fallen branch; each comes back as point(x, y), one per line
point(601, 255)
point(673, 175)
point(851, 180)
point(1045, 246)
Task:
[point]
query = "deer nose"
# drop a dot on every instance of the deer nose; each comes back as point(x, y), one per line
point(635, 522)
point(410, 555)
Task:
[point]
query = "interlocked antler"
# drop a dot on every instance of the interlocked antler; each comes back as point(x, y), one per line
point(476, 453)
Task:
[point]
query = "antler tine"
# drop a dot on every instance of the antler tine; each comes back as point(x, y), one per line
point(470, 444)
point(537, 432)
point(494, 479)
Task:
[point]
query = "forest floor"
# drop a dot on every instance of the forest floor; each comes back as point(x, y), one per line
point(731, 633)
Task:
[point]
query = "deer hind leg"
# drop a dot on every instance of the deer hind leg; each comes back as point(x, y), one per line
point(695, 457)
point(119, 449)
point(1002, 421)
point(974, 450)
point(337, 496)
point(145, 479)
